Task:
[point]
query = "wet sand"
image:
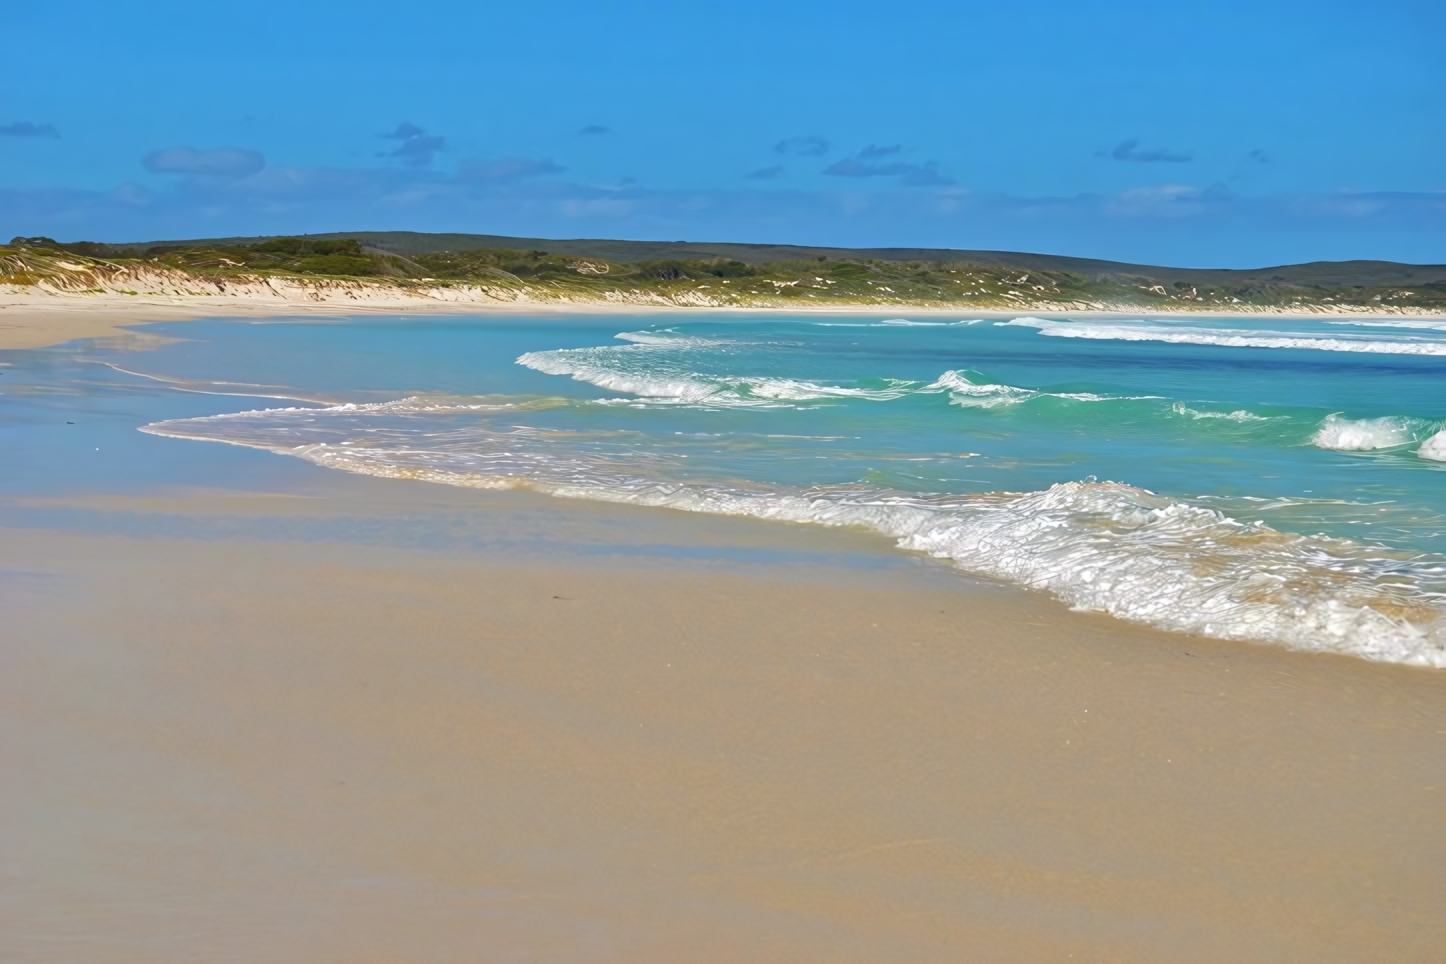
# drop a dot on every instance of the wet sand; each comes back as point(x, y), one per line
point(233, 749)
point(37, 322)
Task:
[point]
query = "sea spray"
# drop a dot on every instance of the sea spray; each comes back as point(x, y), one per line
point(1368, 434)
point(1434, 448)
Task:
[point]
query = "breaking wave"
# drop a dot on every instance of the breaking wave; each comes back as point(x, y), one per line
point(653, 366)
point(1429, 324)
point(608, 368)
point(1100, 546)
point(1434, 448)
point(670, 339)
point(1239, 415)
point(906, 323)
point(1369, 434)
point(1227, 337)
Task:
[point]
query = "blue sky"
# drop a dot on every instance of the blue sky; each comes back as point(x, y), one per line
point(1226, 133)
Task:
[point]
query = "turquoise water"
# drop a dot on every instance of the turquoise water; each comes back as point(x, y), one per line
point(1277, 480)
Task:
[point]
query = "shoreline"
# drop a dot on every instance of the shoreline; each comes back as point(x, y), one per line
point(257, 710)
point(41, 321)
point(1392, 650)
point(345, 751)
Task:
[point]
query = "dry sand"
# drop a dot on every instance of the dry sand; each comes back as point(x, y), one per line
point(233, 750)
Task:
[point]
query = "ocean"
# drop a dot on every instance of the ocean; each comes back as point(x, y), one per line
point(1277, 480)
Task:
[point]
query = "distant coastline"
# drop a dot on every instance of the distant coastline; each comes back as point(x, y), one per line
point(51, 292)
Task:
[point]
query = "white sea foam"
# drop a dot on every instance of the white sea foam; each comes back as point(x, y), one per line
point(970, 394)
point(437, 404)
point(1434, 448)
point(692, 387)
point(1100, 546)
point(1369, 434)
point(659, 379)
point(1428, 324)
point(671, 339)
point(965, 391)
point(648, 371)
point(1226, 337)
point(1239, 415)
point(211, 387)
point(906, 323)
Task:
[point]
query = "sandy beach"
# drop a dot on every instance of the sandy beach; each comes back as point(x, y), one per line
point(302, 749)
point(308, 715)
point(774, 484)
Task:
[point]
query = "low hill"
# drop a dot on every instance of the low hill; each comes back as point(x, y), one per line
point(481, 268)
point(1324, 273)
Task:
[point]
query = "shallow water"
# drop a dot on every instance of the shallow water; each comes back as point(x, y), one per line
point(1271, 479)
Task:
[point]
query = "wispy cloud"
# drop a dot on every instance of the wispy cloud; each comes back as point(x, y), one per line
point(593, 129)
point(853, 167)
point(1132, 151)
point(925, 175)
point(809, 146)
point(506, 168)
point(766, 173)
point(416, 147)
point(867, 163)
point(222, 162)
point(27, 129)
point(1167, 201)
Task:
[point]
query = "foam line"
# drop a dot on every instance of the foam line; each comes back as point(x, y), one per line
point(1225, 337)
point(1099, 546)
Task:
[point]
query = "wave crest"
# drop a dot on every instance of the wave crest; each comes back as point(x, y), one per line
point(1369, 434)
point(1434, 448)
point(1225, 337)
point(647, 369)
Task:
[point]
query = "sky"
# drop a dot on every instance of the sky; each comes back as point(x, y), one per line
point(1226, 133)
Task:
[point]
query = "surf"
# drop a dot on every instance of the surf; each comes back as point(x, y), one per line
point(1098, 546)
point(1185, 334)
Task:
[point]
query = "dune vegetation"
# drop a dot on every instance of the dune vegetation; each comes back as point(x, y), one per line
point(817, 281)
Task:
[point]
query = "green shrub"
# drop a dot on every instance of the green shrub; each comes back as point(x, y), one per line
point(663, 270)
point(732, 269)
point(310, 246)
point(338, 264)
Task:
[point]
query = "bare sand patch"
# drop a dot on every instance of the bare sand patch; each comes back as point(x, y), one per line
point(257, 751)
